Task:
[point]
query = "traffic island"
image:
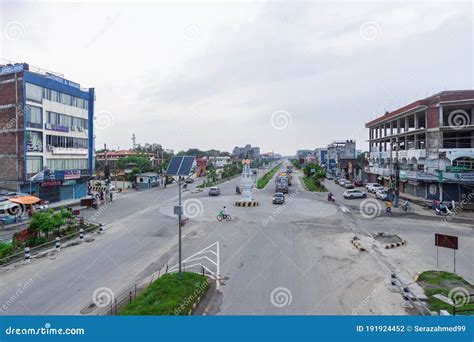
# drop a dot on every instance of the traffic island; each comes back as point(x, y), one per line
point(246, 203)
point(389, 240)
point(356, 242)
point(171, 294)
point(447, 292)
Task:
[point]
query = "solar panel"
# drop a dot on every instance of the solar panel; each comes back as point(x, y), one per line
point(173, 167)
point(180, 166)
point(186, 166)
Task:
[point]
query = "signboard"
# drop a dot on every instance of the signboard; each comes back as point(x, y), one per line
point(446, 241)
point(62, 80)
point(58, 128)
point(50, 183)
point(68, 150)
point(69, 182)
point(10, 69)
point(72, 174)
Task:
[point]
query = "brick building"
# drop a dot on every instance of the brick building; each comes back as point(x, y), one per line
point(46, 133)
point(426, 148)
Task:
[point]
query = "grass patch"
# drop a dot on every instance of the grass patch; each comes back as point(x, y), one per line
point(168, 295)
point(436, 282)
point(313, 184)
point(263, 181)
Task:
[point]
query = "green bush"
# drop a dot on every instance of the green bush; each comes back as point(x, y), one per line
point(169, 295)
point(6, 249)
point(263, 181)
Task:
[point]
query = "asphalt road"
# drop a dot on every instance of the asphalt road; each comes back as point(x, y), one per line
point(291, 259)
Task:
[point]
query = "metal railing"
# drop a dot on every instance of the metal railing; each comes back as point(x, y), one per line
point(40, 248)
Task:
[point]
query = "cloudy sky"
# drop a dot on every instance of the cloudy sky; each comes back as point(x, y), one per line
point(281, 75)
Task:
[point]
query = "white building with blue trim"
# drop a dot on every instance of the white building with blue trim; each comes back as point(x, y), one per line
point(48, 146)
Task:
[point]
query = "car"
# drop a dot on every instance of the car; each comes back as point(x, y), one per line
point(278, 198)
point(214, 191)
point(358, 183)
point(341, 181)
point(381, 194)
point(373, 187)
point(329, 177)
point(348, 185)
point(353, 193)
point(189, 181)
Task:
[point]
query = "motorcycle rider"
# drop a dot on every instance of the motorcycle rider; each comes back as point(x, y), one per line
point(330, 196)
point(406, 205)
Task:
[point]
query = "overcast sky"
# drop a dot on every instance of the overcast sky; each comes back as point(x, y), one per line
point(279, 75)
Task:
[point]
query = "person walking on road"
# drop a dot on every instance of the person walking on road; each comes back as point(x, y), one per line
point(388, 207)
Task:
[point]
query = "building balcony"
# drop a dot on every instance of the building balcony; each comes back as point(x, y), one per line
point(409, 154)
point(454, 153)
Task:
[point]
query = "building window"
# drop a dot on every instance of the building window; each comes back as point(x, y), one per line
point(69, 142)
point(34, 141)
point(67, 164)
point(464, 162)
point(34, 117)
point(34, 165)
point(34, 92)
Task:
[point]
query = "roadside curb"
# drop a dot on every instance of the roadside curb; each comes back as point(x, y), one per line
point(198, 301)
point(357, 245)
point(394, 245)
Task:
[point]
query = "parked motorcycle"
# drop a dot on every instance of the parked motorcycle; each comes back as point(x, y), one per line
point(331, 198)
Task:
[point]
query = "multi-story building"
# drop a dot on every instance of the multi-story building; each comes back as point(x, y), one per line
point(426, 148)
point(114, 156)
point(46, 137)
point(321, 155)
point(219, 161)
point(341, 156)
point(247, 152)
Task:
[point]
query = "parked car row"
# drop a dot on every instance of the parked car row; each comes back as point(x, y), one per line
point(344, 183)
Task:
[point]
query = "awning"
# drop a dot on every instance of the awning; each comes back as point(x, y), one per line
point(27, 200)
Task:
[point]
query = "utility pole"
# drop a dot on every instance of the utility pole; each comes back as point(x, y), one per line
point(106, 167)
point(179, 222)
point(134, 140)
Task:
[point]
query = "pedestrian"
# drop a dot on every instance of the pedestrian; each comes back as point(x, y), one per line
point(388, 207)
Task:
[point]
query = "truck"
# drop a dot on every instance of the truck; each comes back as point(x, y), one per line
point(288, 175)
point(281, 184)
point(289, 168)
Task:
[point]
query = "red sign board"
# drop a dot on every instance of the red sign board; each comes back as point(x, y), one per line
point(447, 241)
point(50, 183)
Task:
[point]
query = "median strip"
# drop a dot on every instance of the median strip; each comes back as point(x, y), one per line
point(263, 181)
point(171, 294)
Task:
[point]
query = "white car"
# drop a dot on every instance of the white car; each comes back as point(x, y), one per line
point(381, 194)
point(341, 181)
point(373, 187)
point(354, 193)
